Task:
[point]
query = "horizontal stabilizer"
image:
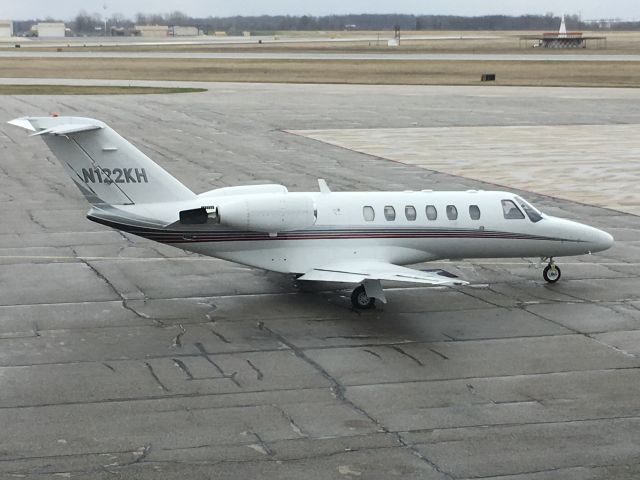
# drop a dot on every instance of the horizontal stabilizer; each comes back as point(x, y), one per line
point(57, 125)
point(67, 129)
point(22, 122)
point(358, 272)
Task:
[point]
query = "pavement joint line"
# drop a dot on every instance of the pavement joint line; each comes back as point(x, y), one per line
point(412, 288)
point(309, 348)
point(517, 424)
point(553, 470)
point(263, 391)
point(268, 459)
point(339, 391)
point(211, 259)
point(202, 351)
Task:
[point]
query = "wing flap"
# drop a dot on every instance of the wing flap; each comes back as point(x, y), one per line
point(358, 272)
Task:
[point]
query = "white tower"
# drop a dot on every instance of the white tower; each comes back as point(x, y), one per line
point(563, 29)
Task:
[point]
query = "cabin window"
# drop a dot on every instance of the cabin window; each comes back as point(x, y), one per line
point(432, 213)
point(532, 212)
point(410, 213)
point(368, 213)
point(474, 212)
point(510, 211)
point(389, 213)
point(452, 212)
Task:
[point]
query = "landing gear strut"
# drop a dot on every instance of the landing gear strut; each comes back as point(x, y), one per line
point(360, 300)
point(551, 272)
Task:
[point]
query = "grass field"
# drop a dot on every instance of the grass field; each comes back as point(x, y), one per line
point(586, 74)
point(88, 90)
point(367, 41)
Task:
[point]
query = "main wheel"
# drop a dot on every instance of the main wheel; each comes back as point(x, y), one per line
point(360, 299)
point(551, 273)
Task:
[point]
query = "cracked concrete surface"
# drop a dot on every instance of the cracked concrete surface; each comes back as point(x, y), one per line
point(120, 357)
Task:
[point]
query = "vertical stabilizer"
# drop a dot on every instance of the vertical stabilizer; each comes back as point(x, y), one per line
point(107, 169)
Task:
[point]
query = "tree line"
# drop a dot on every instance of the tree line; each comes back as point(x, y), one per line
point(86, 23)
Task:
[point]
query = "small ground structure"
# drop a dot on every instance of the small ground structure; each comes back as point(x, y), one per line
point(6, 28)
point(151, 30)
point(184, 31)
point(50, 29)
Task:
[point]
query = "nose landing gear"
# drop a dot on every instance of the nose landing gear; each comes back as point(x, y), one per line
point(551, 272)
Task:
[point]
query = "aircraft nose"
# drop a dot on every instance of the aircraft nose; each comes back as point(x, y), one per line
point(601, 241)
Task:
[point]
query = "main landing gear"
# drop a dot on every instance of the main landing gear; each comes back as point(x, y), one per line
point(360, 300)
point(551, 272)
point(365, 295)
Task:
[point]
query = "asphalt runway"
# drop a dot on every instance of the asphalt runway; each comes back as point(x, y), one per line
point(392, 56)
point(121, 358)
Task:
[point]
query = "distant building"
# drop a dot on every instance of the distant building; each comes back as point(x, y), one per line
point(179, 31)
point(6, 28)
point(151, 30)
point(50, 29)
point(563, 39)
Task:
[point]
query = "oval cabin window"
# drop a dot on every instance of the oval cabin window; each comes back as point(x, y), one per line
point(389, 213)
point(432, 213)
point(368, 213)
point(410, 213)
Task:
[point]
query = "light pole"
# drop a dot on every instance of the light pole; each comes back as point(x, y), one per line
point(104, 6)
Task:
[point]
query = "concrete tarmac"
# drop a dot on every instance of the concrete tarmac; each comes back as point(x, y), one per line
point(128, 359)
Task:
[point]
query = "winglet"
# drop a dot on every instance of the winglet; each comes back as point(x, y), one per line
point(324, 188)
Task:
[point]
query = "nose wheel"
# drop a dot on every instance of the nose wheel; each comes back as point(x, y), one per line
point(551, 272)
point(360, 300)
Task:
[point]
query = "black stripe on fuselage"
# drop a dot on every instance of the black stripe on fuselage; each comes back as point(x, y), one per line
point(197, 236)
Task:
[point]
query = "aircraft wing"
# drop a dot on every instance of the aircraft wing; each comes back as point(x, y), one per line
point(360, 271)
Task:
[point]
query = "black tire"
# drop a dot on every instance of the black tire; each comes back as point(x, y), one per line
point(551, 274)
point(360, 300)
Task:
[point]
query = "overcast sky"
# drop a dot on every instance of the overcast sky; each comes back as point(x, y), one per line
point(66, 9)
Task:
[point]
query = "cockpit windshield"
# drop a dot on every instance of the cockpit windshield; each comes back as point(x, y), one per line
point(532, 212)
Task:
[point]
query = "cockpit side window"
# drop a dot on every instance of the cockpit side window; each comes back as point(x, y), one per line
point(533, 213)
point(511, 211)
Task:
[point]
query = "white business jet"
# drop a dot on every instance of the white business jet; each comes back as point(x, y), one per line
point(346, 237)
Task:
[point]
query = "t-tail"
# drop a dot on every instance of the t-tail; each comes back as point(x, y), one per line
point(106, 168)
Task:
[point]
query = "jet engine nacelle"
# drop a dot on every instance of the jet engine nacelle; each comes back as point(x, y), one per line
point(268, 213)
